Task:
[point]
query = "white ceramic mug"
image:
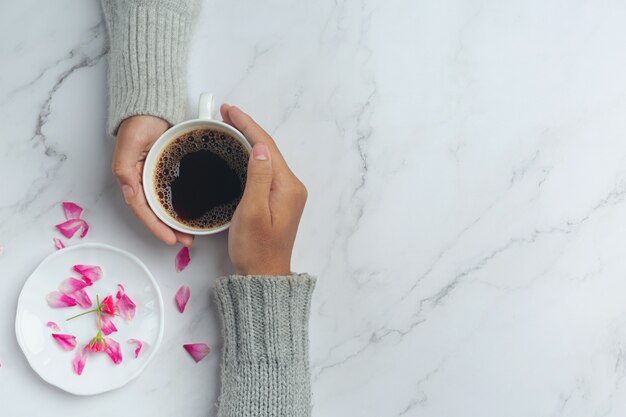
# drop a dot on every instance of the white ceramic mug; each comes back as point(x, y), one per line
point(204, 121)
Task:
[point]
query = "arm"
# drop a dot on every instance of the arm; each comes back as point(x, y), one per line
point(148, 54)
point(265, 308)
point(147, 89)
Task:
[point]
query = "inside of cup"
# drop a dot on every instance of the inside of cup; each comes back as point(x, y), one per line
point(173, 174)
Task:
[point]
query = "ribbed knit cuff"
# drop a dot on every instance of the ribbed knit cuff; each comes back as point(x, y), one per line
point(147, 64)
point(266, 365)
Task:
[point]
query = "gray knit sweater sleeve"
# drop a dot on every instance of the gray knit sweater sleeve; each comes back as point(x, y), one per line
point(265, 368)
point(148, 55)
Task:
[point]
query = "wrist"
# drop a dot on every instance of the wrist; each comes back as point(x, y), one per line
point(268, 269)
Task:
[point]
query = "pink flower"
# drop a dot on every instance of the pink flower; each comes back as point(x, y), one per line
point(53, 326)
point(197, 350)
point(113, 350)
point(91, 272)
point(125, 306)
point(139, 344)
point(66, 341)
point(82, 298)
point(108, 305)
point(182, 297)
point(108, 326)
point(58, 243)
point(79, 360)
point(182, 259)
point(57, 299)
point(71, 285)
point(97, 344)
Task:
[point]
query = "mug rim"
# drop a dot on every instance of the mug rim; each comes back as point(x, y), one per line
point(151, 160)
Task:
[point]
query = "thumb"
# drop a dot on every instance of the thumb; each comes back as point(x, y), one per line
point(259, 181)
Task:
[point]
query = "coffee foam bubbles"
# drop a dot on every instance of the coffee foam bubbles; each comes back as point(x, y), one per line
point(220, 143)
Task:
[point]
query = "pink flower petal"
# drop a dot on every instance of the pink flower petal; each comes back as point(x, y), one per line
point(182, 259)
point(139, 344)
point(120, 291)
point(53, 326)
point(57, 299)
point(126, 308)
point(197, 350)
point(66, 341)
point(113, 350)
point(108, 326)
point(79, 360)
point(85, 229)
point(71, 285)
point(91, 272)
point(72, 211)
point(70, 227)
point(87, 281)
point(58, 243)
point(182, 296)
point(82, 298)
point(108, 305)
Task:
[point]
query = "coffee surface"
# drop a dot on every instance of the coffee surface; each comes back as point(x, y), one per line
point(200, 177)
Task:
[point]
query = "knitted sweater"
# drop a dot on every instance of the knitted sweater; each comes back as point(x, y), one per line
point(265, 370)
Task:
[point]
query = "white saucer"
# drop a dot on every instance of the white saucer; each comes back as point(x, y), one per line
point(44, 354)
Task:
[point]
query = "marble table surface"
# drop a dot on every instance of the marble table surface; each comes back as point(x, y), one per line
point(466, 165)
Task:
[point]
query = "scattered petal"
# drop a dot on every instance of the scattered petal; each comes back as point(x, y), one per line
point(58, 243)
point(66, 341)
point(87, 281)
point(57, 299)
point(71, 285)
point(91, 272)
point(113, 350)
point(182, 259)
point(72, 211)
point(182, 296)
point(70, 227)
point(120, 291)
point(139, 344)
point(108, 305)
point(126, 307)
point(82, 298)
point(197, 350)
point(79, 360)
point(108, 326)
point(85, 229)
point(53, 326)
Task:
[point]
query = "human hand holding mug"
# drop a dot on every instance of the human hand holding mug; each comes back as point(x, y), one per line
point(264, 226)
point(135, 138)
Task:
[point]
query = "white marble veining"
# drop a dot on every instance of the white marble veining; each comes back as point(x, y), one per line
point(466, 163)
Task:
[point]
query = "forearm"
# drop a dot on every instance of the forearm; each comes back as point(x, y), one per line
point(148, 54)
point(266, 358)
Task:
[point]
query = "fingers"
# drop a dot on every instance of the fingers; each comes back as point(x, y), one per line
point(259, 181)
point(183, 238)
point(125, 168)
point(254, 133)
point(224, 111)
point(144, 213)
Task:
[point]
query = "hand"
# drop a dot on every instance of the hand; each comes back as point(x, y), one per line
point(135, 137)
point(265, 223)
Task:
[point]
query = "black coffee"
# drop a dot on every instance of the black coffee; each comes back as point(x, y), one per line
point(200, 177)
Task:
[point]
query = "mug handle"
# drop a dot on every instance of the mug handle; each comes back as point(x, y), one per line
point(206, 106)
